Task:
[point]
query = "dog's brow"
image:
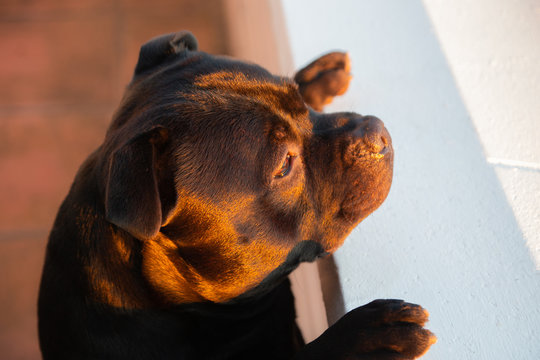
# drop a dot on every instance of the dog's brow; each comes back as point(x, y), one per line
point(280, 96)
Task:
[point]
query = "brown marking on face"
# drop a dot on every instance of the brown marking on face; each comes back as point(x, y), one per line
point(200, 256)
point(281, 96)
point(233, 222)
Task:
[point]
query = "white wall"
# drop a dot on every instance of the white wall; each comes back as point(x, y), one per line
point(457, 84)
point(493, 47)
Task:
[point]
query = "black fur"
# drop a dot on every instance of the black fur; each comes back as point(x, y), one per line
point(214, 181)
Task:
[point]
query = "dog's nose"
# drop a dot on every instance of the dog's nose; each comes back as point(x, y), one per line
point(371, 135)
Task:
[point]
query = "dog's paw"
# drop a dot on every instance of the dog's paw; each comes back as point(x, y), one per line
point(324, 78)
point(390, 329)
point(382, 329)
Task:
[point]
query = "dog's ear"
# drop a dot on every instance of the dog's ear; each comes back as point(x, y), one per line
point(138, 179)
point(323, 79)
point(157, 50)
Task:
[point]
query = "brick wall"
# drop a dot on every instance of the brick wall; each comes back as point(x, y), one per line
point(63, 67)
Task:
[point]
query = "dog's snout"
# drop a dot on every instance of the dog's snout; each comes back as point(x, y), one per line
point(374, 135)
point(371, 135)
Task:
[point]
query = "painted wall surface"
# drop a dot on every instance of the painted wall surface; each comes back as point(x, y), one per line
point(457, 85)
point(494, 53)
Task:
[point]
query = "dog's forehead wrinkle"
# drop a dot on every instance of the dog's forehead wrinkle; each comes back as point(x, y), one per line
point(280, 94)
point(247, 116)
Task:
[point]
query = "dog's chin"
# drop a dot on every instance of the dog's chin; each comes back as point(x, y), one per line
point(354, 210)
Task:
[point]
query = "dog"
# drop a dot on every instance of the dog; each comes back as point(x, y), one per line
point(214, 181)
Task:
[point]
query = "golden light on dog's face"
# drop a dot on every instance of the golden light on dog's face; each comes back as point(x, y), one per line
point(245, 173)
point(275, 182)
point(201, 256)
point(214, 181)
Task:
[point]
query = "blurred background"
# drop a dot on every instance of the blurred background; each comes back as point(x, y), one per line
point(64, 66)
point(457, 84)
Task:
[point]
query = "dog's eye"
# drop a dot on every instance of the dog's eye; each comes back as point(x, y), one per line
point(285, 168)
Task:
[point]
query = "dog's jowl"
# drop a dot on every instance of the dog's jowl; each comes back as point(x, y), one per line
point(214, 181)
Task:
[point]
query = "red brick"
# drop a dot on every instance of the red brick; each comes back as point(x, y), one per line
point(39, 156)
point(17, 10)
point(64, 67)
point(21, 260)
point(58, 62)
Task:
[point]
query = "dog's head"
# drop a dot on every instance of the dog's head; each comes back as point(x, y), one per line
point(227, 177)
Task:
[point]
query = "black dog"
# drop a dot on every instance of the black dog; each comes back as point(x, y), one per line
point(214, 181)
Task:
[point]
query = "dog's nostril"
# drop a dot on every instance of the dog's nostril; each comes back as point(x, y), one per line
point(374, 141)
point(369, 138)
point(373, 134)
point(384, 143)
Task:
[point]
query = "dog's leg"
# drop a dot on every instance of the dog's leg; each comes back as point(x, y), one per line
point(324, 78)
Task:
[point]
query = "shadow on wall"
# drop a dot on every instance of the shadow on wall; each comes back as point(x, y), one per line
point(64, 67)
